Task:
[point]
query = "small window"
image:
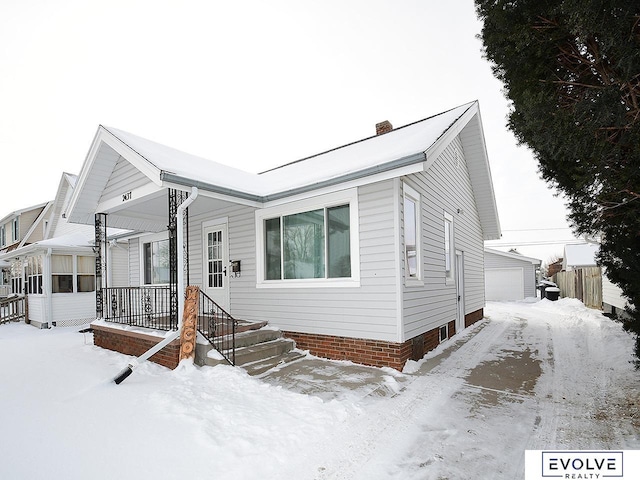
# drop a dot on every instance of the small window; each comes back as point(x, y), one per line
point(16, 277)
point(86, 277)
point(444, 332)
point(411, 232)
point(3, 237)
point(448, 246)
point(34, 275)
point(62, 273)
point(156, 262)
point(15, 231)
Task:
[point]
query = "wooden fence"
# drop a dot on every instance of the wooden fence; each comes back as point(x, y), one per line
point(14, 310)
point(585, 284)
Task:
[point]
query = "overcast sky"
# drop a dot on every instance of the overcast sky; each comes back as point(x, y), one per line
point(251, 83)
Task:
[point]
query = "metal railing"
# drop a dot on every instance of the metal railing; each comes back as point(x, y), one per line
point(218, 327)
point(13, 310)
point(148, 307)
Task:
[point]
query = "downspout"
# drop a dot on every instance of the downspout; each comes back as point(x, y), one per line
point(128, 370)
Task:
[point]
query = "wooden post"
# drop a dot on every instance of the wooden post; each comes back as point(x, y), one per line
point(189, 331)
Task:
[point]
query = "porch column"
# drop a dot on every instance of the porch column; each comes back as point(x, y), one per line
point(176, 197)
point(100, 249)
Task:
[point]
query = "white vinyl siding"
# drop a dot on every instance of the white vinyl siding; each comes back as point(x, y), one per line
point(124, 178)
point(367, 311)
point(445, 187)
point(118, 258)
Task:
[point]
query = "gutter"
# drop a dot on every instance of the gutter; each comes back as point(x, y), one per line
point(376, 169)
point(128, 370)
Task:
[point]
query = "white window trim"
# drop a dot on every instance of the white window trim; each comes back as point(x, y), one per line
point(148, 239)
point(440, 329)
point(409, 281)
point(450, 278)
point(344, 197)
point(15, 229)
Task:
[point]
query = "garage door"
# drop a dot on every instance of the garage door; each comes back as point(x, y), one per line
point(504, 284)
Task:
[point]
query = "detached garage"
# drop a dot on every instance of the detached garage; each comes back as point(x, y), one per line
point(509, 276)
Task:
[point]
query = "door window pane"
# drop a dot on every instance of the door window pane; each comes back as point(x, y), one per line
point(215, 274)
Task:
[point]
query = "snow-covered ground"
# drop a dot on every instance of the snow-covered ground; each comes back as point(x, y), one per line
point(536, 375)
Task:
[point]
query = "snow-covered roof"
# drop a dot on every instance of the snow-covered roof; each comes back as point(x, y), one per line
point(410, 147)
point(21, 211)
point(402, 143)
point(515, 256)
point(583, 255)
point(70, 242)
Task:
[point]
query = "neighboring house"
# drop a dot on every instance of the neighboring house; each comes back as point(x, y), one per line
point(19, 227)
point(56, 272)
point(554, 267)
point(579, 256)
point(509, 276)
point(371, 252)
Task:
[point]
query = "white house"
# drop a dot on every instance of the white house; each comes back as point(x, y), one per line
point(372, 251)
point(56, 272)
point(509, 276)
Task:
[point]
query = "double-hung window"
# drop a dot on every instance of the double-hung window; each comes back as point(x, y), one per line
point(448, 247)
point(73, 273)
point(309, 243)
point(155, 261)
point(15, 231)
point(412, 256)
point(34, 275)
point(3, 236)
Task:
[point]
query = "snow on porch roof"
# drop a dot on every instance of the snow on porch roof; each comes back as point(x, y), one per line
point(401, 146)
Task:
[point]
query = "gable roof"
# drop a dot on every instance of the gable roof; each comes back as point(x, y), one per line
point(404, 150)
point(514, 256)
point(580, 255)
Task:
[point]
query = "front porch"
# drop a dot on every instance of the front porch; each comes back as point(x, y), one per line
point(134, 320)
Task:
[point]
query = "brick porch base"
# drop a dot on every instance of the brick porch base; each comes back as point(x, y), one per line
point(374, 352)
point(136, 343)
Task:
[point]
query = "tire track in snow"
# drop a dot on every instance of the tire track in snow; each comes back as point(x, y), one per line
point(422, 399)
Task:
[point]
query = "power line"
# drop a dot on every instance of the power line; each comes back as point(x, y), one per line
point(572, 241)
point(537, 229)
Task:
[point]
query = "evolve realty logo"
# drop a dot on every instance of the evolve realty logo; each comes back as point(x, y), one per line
point(582, 464)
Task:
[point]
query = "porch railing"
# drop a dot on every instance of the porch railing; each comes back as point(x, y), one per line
point(218, 327)
point(13, 310)
point(147, 307)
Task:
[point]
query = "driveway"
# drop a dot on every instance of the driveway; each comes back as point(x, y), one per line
point(543, 375)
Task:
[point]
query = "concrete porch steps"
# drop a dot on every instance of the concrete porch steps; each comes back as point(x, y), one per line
point(258, 348)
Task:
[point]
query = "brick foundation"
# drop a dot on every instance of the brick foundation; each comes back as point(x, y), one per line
point(375, 352)
point(136, 343)
point(473, 317)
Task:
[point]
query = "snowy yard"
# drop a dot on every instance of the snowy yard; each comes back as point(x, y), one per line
point(531, 376)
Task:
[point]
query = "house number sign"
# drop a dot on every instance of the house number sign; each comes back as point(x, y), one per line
point(126, 196)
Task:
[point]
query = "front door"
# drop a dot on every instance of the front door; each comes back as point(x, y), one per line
point(216, 262)
point(460, 290)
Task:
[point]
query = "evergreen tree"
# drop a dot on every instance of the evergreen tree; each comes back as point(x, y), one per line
point(571, 69)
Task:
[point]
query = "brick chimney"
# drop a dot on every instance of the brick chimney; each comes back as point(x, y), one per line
point(383, 127)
